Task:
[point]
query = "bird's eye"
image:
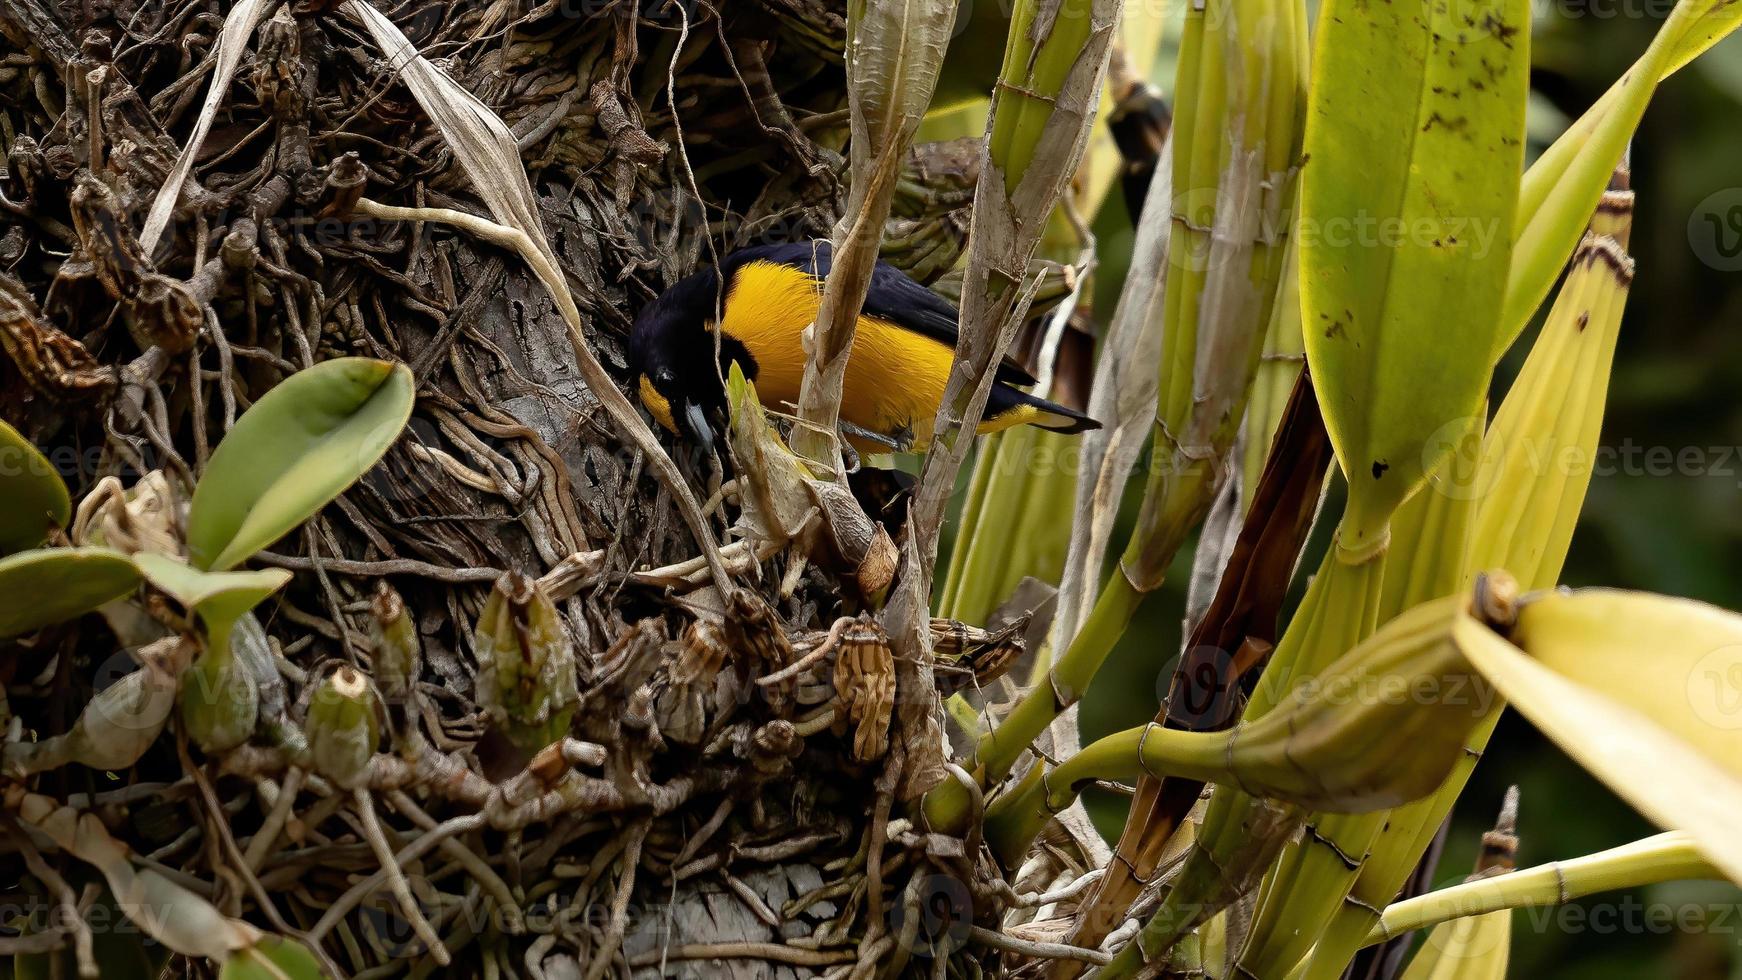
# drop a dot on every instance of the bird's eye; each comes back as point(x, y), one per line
point(664, 376)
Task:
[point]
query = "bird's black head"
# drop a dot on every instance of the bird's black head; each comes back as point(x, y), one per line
point(671, 357)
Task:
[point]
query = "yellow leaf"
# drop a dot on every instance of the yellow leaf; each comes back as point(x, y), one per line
point(1676, 783)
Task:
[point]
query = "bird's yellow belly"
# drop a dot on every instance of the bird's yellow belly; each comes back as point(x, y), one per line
point(895, 377)
point(894, 382)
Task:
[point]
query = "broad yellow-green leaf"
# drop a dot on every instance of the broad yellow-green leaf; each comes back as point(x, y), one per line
point(1622, 735)
point(1563, 185)
point(50, 585)
point(1414, 145)
point(32, 497)
point(299, 447)
point(272, 958)
point(219, 598)
point(1677, 661)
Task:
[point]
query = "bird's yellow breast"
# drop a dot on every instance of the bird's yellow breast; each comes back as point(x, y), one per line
point(657, 405)
point(895, 377)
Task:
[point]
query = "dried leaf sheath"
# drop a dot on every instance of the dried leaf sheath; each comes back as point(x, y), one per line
point(1040, 123)
point(894, 50)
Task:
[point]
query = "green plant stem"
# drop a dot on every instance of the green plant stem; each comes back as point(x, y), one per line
point(953, 597)
point(1665, 857)
point(998, 750)
point(1218, 869)
point(1241, 834)
point(1307, 888)
point(1009, 527)
point(1408, 833)
point(1016, 816)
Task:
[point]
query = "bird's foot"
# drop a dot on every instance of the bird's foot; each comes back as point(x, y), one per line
point(898, 442)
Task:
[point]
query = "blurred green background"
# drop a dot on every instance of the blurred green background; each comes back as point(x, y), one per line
point(1664, 511)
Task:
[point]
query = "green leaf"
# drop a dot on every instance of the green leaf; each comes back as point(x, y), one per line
point(1565, 183)
point(218, 598)
point(32, 497)
point(219, 697)
point(1695, 26)
point(272, 958)
point(1405, 243)
point(299, 447)
point(50, 585)
point(1468, 948)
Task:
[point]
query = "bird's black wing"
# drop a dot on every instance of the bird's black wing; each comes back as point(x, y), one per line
point(893, 296)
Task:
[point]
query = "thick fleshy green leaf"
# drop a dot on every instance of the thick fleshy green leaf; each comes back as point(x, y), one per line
point(32, 497)
point(50, 585)
point(299, 447)
point(1564, 184)
point(1414, 145)
point(272, 958)
point(219, 598)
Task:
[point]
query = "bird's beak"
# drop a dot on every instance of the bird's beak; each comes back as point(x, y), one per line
point(696, 420)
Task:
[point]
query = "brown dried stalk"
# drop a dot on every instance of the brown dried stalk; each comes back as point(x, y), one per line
point(894, 51)
point(1009, 212)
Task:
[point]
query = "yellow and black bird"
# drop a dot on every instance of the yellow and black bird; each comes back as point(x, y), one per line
point(900, 360)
